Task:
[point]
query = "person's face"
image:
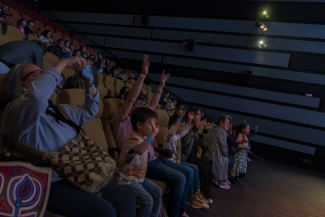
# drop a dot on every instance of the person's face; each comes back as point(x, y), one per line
point(103, 61)
point(30, 73)
point(5, 8)
point(49, 34)
point(167, 105)
point(61, 44)
point(84, 49)
point(225, 125)
point(181, 107)
point(246, 130)
point(67, 44)
point(24, 23)
point(202, 114)
point(31, 25)
point(174, 102)
point(180, 128)
point(78, 53)
point(197, 117)
point(100, 56)
point(144, 129)
point(72, 47)
point(166, 95)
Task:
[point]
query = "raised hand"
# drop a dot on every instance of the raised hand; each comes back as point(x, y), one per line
point(164, 78)
point(145, 64)
point(76, 63)
point(155, 128)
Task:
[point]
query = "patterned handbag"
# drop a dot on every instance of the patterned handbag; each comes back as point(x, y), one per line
point(81, 161)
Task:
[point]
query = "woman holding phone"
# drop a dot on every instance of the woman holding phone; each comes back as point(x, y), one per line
point(32, 120)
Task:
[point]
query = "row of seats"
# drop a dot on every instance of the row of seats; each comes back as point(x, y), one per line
point(99, 129)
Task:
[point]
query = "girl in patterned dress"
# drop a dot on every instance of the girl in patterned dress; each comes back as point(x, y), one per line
point(240, 165)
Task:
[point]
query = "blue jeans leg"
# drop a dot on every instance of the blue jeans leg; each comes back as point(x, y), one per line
point(176, 181)
point(230, 164)
point(148, 196)
point(67, 200)
point(196, 178)
point(188, 173)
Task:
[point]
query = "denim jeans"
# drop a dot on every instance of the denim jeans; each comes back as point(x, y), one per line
point(67, 200)
point(3, 68)
point(178, 177)
point(196, 184)
point(148, 196)
point(231, 163)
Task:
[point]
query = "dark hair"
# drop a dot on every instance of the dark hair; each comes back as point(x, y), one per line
point(20, 21)
point(41, 44)
point(166, 93)
point(193, 109)
point(141, 96)
point(172, 119)
point(240, 128)
point(45, 32)
point(141, 115)
point(75, 52)
point(59, 40)
point(122, 92)
point(82, 46)
point(222, 119)
point(30, 21)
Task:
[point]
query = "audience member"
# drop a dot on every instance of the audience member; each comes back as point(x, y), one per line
point(46, 36)
point(172, 141)
point(72, 48)
point(123, 93)
point(37, 125)
point(28, 29)
point(166, 107)
point(216, 140)
point(5, 9)
point(58, 50)
point(17, 52)
point(21, 24)
point(77, 53)
point(190, 147)
point(132, 164)
point(240, 165)
point(102, 67)
point(2, 24)
point(84, 52)
point(67, 46)
point(164, 98)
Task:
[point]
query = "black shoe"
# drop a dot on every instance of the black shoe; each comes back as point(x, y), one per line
point(238, 181)
point(232, 181)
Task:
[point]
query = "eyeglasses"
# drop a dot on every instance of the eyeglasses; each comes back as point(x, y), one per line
point(36, 73)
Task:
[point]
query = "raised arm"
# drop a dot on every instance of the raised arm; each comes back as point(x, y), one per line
point(135, 90)
point(156, 97)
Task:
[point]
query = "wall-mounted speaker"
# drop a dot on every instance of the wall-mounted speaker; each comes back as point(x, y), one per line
point(190, 44)
point(145, 19)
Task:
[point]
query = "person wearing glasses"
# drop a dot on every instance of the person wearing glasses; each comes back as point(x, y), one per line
point(216, 140)
point(17, 52)
point(30, 118)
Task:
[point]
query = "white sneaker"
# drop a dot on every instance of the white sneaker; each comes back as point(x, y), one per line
point(210, 200)
point(227, 181)
point(205, 206)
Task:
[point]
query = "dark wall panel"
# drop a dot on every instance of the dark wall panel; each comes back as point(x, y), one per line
point(307, 62)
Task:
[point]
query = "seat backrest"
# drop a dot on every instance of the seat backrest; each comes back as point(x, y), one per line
point(162, 121)
point(94, 129)
point(118, 84)
point(111, 106)
point(32, 37)
point(13, 32)
point(50, 58)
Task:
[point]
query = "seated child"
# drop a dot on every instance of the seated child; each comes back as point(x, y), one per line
point(172, 141)
point(132, 164)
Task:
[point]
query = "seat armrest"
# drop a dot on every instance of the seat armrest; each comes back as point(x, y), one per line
point(166, 153)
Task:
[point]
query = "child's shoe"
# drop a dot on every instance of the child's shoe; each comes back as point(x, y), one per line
point(192, 200)
point(224, 185)
point(238, 181)
point(200, 197)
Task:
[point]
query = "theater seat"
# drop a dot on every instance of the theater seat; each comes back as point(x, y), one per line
point(14, 33)
point(162, 121)
point(93, 129)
